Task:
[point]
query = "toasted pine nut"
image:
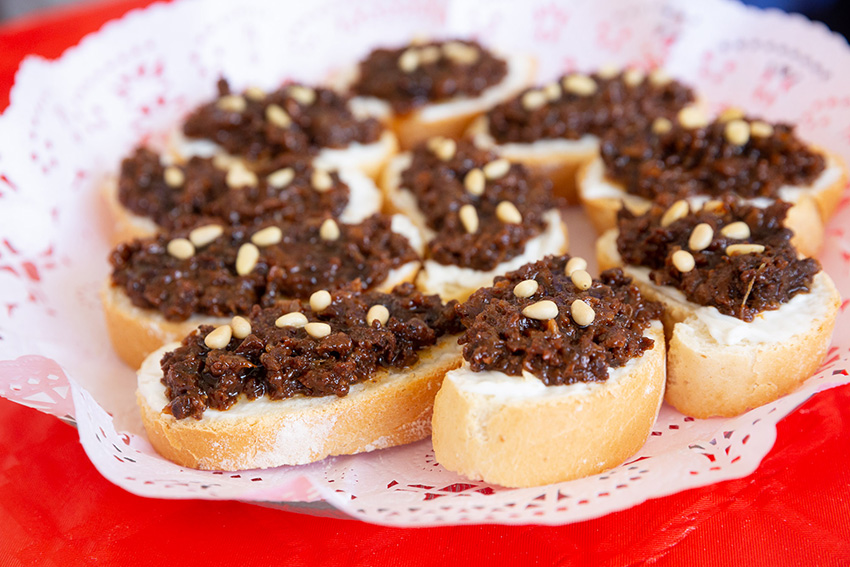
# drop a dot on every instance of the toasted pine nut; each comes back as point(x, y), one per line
point(232, 103)
point(683, 261)
point(267, 236)
point(329, 230)
point(532, 100)
point(581, 279)
point(246, 258)
point(737, 230)
point(737, 132)
point(740, 249)
point(692, 117)
point(321, 180)
point(497, 168)
point(474, 182)
point(580, 85)
point(239, 176)
point(219, 337)
point(575, 263)
point(701, 237)
point(409, 60)
point(302, 95)
point(320, 300)
point(677, 210)
point(180, 248)
point(761, 129)
point(277, 116)
point(377, 313)
point(582, 313)
point(508, 213)
point(469, 218)
point(317, 330)
point(281, 178)
point(294, 319)
point(204, 235)
point(661, 125)
point(174, 176)
point(241, 327)
point(526, 288)
point(542, 310)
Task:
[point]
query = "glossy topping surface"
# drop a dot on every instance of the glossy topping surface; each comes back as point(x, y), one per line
point(483, 209)
point(293, 119)
point(291, 349)
point(577, 105)
point(182, 195)
point(243, 266)
point(732, 256)
point(415, 75)
point(560, 331)
point(748, 157)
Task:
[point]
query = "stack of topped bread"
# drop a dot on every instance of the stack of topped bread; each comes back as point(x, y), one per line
point(320, 271)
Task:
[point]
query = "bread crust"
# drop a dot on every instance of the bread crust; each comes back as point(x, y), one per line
point(806, 217)
point(556, 160)
point(531, 441)
point(136, 332)
point(706, 378)
point(392, 408)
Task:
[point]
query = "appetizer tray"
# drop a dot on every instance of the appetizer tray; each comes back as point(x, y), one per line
point(71, 121)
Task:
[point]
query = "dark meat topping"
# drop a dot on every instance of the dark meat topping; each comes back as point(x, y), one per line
point(740, 285)
point(443, 70)
point(440, 193)
point(701, 161)
point(320, 120)
point(614, 105)
point(207, 283)
point(557, 351)
point(280, 362)
point(205, 194)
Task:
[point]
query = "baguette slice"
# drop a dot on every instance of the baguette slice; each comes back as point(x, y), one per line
point(455, 282)
point(365, 199)
point(451, 118)
point(718, 365)
point(813, 205)
point(392, 408)
point(517, 432)
point(135, 332)
point(557, 160)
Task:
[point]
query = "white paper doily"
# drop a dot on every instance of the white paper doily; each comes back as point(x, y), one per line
point(72, 120)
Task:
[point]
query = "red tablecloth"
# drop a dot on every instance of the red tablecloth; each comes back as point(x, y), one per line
point(55, 509)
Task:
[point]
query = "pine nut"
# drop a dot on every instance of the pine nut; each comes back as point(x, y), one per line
point(281, 178)
point(552, 91)
point(508, 213)
point(761, 129)
point(469, 218)
point(219, 337)
point(701, 237)
point(378, 313)
point(737, 132)
point(277, 116)
point(581, 279)
point(497, 169)
point(731, 113)
point(302, 95)
point(430, 54)
point(409, 61)
point(246, 259)
point(683, 261)
point(542, 310)
point(317, 330)
point(255, 93)
point(692, 117)
point(661, 126)
point(633, 77)
point(659, 78)
point(320, 300)
point(329, 231)
point(532, 100)
point(174, 176)
point(294, 319)
point(608, 71)
point(204, 235)
point(321, 180)
point(526, 288)
point(580, 85)
point(460, 53)
point(239, 176)
point(582, 313)
point(180, 248)
point(740, 249)
point(267, 236)
point(713, 206)
point(474, 182)
point(241, 327)
point(737, 230)
point(232, 103)
point(677, 210)
point(575, 263)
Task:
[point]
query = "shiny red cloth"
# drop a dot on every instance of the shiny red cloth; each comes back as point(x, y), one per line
point(56, 509)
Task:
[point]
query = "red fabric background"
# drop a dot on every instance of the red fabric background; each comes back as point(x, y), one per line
point(55, 508)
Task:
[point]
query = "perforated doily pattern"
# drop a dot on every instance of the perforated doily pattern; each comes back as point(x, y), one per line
point(75, 118)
